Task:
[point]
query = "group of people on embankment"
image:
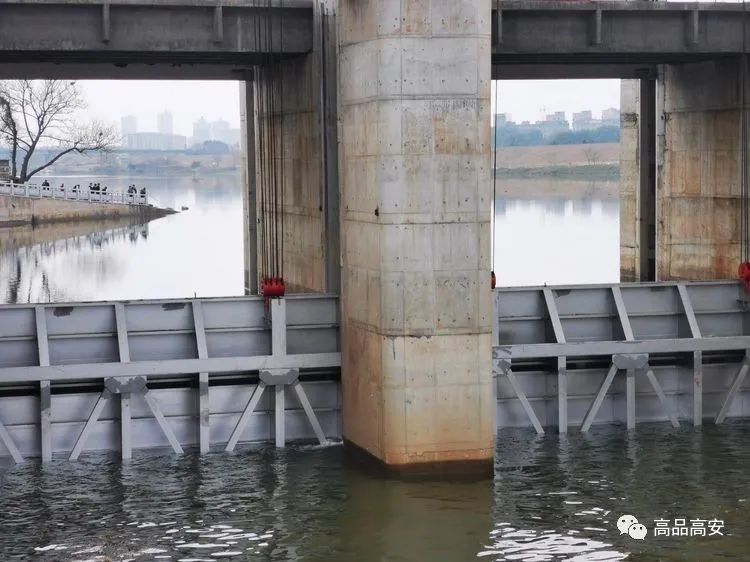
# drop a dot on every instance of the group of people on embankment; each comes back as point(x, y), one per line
point(96, 188)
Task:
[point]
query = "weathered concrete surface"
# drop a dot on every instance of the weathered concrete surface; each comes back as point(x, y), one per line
point(698, 196)
point(544, 31)
point(151, 39)
point(416, 191)
point(305, 163)
point(249, 181)
point(629, 181)
point(298, 167)
point(16, 211)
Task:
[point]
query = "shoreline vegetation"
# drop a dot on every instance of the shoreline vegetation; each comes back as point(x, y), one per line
point(567, 171)
point(588, 172)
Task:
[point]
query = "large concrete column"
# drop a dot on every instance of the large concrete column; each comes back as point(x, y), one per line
point(698, 202)
point(416, 200)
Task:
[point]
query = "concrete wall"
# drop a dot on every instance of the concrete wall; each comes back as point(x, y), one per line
point(629, 181)
point(415, 208)
point(698, 197)
point(26, 210)
point(298, 166)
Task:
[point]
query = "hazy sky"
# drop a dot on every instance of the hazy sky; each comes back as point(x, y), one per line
point(530, 100)
point(109, 100)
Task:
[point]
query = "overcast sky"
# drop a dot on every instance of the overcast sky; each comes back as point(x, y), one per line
point(530, 100)
point(109, 100)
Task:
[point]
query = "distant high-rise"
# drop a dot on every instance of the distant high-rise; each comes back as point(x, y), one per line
point(220, 131)
point(165, 123)
point(611, 117)
point(128, 125)
point(201, 131)
point(584, 120)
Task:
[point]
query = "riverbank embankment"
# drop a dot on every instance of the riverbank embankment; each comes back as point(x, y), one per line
point(20, 211)
point(585, 162)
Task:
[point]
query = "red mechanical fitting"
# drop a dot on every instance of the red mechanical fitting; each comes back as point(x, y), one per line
point(493, 279)
point(744, 273)
point(272, 287)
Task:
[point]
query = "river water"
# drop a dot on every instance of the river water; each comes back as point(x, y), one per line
point(552, 498)
point(195, 252)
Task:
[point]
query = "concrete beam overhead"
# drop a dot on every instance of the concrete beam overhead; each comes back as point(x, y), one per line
point(115, 35)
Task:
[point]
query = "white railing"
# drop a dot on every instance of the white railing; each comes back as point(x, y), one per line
point(72, 193)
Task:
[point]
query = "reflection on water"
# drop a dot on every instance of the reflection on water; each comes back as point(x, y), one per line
point(557, 240)
point(569, 236)
point(195, 252)
point(27, 277)
point(552, 498)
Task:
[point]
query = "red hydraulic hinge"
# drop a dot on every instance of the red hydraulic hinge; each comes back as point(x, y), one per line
point(272, 288)
point(744, 273)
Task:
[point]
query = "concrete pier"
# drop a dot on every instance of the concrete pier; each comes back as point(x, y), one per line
point(699, 172)
point(415, 161)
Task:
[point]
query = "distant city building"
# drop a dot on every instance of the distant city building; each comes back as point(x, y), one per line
point(201, 131)
point(584, 120)
point(220, 130)
point(155, 141)
point(553, 125)
point(502, 118)
point(4, 170)
point(611, 117)
point(555, 129)
point(165, 123)
point(128, 125)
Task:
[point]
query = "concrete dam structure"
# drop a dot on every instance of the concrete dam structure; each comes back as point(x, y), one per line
point(366, 134)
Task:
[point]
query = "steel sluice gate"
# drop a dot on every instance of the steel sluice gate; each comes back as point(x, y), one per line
point(574, 356)
point(124, 375)
point(221, 371)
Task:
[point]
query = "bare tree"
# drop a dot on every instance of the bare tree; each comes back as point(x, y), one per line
point(593, 156)
point(44, 114)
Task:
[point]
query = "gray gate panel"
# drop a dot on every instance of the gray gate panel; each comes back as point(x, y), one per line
point(676, 323)
point(159, 316)
point(231, 344)
point(84, 349)
point(234, 313)
point(657, 327)
point(312, 340)
point(80, 319)
point(18, 322)
point(721, 324)
point(590, 328)
point(18, 353)
point(145, 347)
